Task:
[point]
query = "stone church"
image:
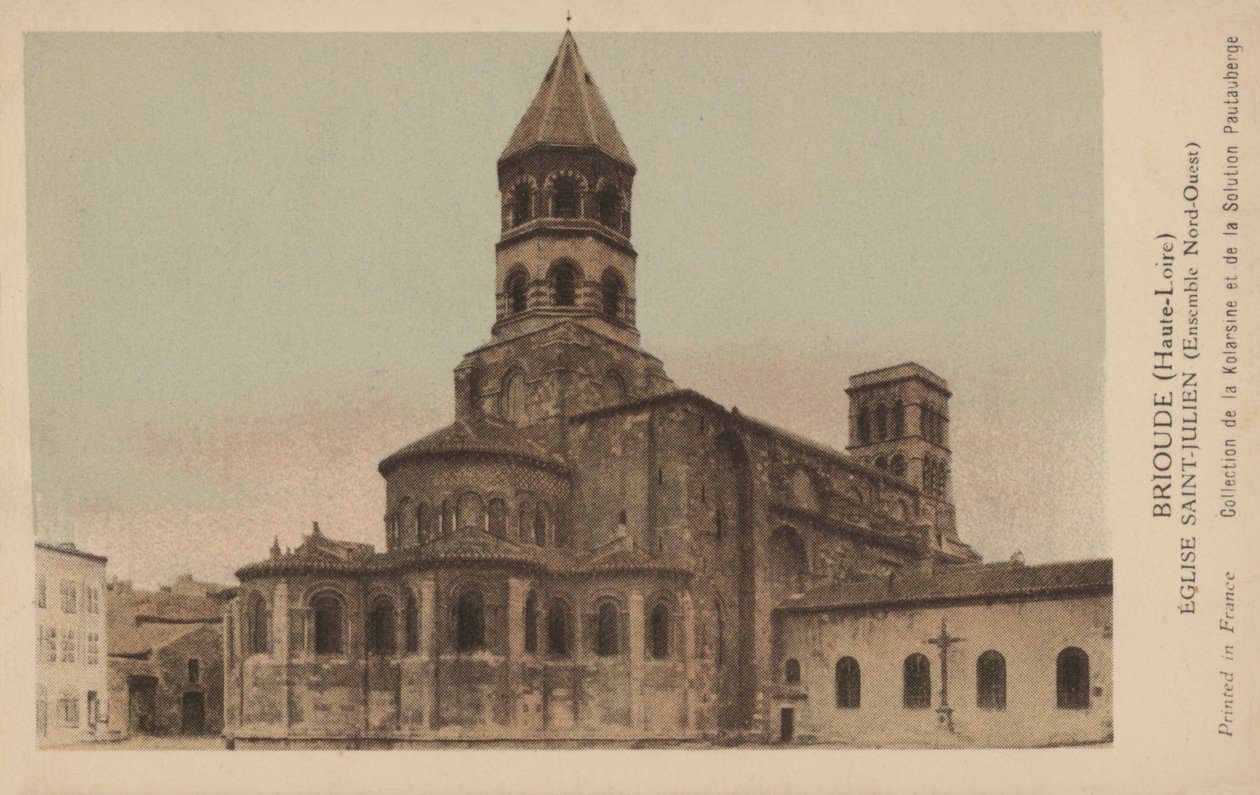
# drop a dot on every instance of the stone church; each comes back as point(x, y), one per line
point(591, 554)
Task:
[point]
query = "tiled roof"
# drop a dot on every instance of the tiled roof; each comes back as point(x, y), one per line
point(961, 583)
point(143, 640)
point(480, 434)
point(141, 621)
point(568, 111)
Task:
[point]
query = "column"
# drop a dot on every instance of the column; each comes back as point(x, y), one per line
point(635, 617)
point(687, 650)
point(426, 598)
point(518, 592)
point(280, 644)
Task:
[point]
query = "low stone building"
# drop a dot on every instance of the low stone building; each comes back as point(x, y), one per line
point(165, 659)
point(70, 645)
point(999, 655)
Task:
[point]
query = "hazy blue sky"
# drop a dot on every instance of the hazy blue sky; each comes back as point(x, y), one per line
point(255, 260)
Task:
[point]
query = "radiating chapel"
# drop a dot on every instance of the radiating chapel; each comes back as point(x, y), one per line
point(591, 554)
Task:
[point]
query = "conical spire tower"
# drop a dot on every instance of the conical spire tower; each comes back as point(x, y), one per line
point(565, 179)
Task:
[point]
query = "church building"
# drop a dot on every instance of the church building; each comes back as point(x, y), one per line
point(590, 554)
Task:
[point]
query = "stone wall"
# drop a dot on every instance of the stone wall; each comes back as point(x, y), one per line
point(1028, 634)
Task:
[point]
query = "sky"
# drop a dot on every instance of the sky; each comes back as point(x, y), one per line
point(255, 260)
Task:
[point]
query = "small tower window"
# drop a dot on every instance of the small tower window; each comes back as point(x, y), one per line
point(613, 291)
point(564, 285)
point(517, 292)
point(864, 426)
point(565, 201)
point(897, 465)
point(608, 206)
point(881, 421)
point(521, 205)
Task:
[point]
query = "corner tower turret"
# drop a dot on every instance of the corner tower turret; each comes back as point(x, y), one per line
point(565, 180)
point(899, 422)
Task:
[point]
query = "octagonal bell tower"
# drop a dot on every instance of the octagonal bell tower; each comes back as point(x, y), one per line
point(565, 180)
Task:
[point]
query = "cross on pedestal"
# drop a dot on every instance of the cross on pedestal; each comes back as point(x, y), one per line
point(944, 641)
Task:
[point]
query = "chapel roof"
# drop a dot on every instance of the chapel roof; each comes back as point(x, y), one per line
point(568, 111)
point(477, 434)
point(980, 582)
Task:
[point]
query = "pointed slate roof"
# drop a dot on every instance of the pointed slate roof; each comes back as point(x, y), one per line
point(568, 111)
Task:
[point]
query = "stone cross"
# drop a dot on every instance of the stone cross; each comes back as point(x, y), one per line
point(944, 641)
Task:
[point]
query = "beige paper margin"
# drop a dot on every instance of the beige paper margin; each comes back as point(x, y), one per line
point(1161, 62)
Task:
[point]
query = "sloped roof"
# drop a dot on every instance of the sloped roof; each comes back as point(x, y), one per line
point(961, 583)
point(144, 639)
point(480, 434)
point(568, 111)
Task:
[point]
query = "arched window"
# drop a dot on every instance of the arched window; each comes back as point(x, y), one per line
point(517, 290)
point(259, 625)
point(897, 465)
point(881, 462)
point(470, 626)
point(606, 630)
point(381, 627)
point(848, 683)
point(991, 681)
point(525, 524)
point(613, 290)
point(898, 419)
point(531, 623)
point(327, 611)
point(881, 421)
point(512, 397)
point(448, 518)
point(521, 204)
point(1072, 679)
point(411, 619)
point(498, 518)
point(401, 523)
point(559, 628)
point(564, 285)
point(792, 672)
point(609, 208)
point(565, 199)
point(916, 682)
point(428, 521)
point(864, 426)
point(540, 526)
point(471, 511)
point(658, 632)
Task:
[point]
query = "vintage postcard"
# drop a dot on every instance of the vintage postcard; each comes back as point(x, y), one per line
point(612, 400)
